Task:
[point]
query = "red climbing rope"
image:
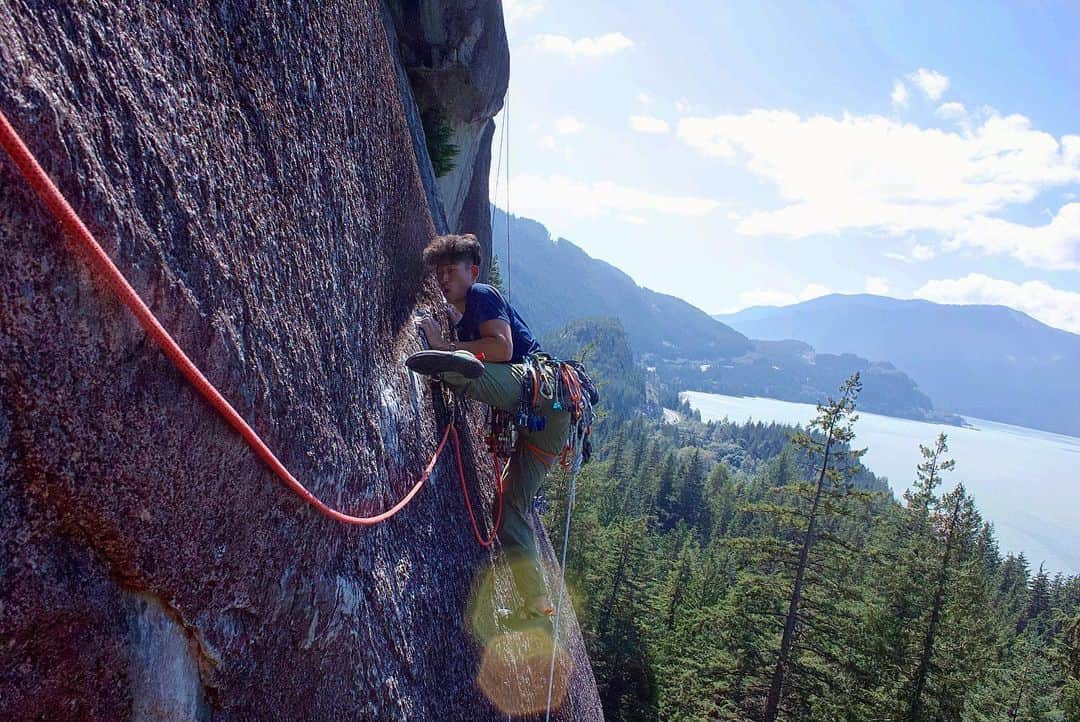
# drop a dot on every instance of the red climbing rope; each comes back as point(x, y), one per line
point(468, 503)
point(544, 457)
point(80, 234)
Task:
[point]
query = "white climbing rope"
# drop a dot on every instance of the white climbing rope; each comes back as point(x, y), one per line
point(498, 170)
point(504, 142)
point(575, 470)
point(506, 123)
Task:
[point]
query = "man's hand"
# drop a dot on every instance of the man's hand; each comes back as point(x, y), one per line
point(433, 333)
point(455, 315)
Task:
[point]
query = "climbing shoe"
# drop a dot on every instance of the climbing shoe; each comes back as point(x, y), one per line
point(542, 606)
point(538, 608)
point(433, 363)
point(523, 618)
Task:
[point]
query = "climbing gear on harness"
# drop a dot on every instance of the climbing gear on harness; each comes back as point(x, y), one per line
point(80, 235)
point(570, 389)
point(585, 380)
point(502, 433)
point(431, 363)
point(528, 415)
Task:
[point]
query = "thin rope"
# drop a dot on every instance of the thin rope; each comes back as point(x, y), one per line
point(498, 170)
point(506, 121)
point(562, 581)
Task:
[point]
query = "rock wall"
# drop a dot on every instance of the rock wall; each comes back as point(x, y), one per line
point(250, 168)
point(457, 59)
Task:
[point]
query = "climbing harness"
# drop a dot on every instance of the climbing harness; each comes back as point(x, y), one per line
point(80, 235)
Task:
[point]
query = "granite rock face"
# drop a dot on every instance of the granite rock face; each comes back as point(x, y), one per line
point(250, 168)
point(456, 55)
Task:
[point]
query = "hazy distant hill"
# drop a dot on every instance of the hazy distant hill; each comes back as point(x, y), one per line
point(553, 282)
point(987, 361)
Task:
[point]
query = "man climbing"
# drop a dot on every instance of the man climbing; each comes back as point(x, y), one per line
point(488, 327)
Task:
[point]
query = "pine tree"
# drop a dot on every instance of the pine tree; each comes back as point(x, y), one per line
point(494, 276)
point(689, 504)
point(920, 501)
point(1036, 617)
point(834, 420)
point(1068, 653)
point(665, 487)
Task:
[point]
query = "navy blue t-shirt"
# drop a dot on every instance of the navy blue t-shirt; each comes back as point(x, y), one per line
point(483, 303)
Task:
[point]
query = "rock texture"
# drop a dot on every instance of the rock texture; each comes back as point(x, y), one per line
point(456, 56)
point(250, 168)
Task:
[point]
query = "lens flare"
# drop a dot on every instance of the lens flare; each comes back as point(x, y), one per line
point(514, 671)
point(516, 662)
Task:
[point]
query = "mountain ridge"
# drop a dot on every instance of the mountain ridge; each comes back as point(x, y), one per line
point(984, 360)
point(760, 311)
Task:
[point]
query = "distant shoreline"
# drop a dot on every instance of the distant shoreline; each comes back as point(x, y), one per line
point(1037, 512)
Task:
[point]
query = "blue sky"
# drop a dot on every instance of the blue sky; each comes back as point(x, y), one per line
point(742, 153)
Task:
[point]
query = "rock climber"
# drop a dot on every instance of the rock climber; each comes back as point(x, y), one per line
point(489, 327)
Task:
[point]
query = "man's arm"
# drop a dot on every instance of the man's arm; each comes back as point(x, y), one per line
point(496, 341)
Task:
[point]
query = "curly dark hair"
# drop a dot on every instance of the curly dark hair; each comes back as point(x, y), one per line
point(452, 248)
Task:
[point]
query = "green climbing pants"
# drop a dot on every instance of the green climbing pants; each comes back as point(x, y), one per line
point(500, 386)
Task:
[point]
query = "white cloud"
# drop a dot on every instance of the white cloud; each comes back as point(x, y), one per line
point(532, 194)
point(1050, 305)
point(649, 124)
point(931, 82)
point(877, 285)
point(951, 111)
point(682, 105)
point(601, 45)
point(1054, 245)
point(518, 10)
point(875, 173)
point(899, 94)
point(776, 297)
point(568, 125)
point(644, 98)
point(918, 253)
point(636, 220)
point(552, 145)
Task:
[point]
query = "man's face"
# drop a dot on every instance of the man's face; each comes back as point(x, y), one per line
point(455, 279)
